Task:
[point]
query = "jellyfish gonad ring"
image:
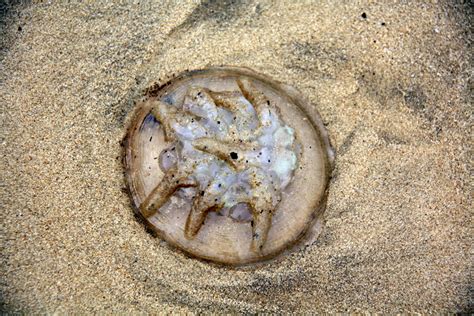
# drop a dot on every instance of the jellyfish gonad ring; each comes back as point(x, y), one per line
point(227, 165)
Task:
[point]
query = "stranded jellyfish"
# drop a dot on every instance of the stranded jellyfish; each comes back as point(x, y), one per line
point(227, 165)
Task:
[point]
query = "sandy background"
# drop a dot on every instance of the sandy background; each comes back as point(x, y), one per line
point(393, 89)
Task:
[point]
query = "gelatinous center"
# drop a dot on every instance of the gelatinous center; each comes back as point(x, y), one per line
point(230, 152)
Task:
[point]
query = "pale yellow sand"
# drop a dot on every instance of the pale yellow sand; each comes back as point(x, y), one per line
point(396, 100)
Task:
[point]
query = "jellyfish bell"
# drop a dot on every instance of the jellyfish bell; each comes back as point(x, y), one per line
point(227, 164)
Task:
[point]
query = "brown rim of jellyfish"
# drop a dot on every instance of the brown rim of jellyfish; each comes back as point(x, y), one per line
point(157, 90)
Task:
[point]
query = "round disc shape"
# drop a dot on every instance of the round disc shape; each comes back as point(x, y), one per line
point(227, 164)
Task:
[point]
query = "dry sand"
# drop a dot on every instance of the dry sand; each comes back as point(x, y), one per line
point(393, 89)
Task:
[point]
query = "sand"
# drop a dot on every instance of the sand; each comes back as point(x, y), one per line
point(391, 83)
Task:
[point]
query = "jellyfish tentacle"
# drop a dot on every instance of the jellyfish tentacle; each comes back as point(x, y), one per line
point(233, 153)
point(266, 111)
point(262, 220)
point(169, 116)
point(201, 99)
point(244, 116)
point(257, 98)
point(231, 101)
point(226, 100)
point(165, 114)
point(206, 201)
point(262, 204)
point(173, 179)
point(200, 96)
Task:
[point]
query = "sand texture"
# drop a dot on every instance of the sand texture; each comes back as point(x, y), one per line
point(394, 92)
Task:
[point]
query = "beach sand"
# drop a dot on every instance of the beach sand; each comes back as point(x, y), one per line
point(391, 83)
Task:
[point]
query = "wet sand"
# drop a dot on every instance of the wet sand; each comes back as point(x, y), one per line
point(391, 83)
